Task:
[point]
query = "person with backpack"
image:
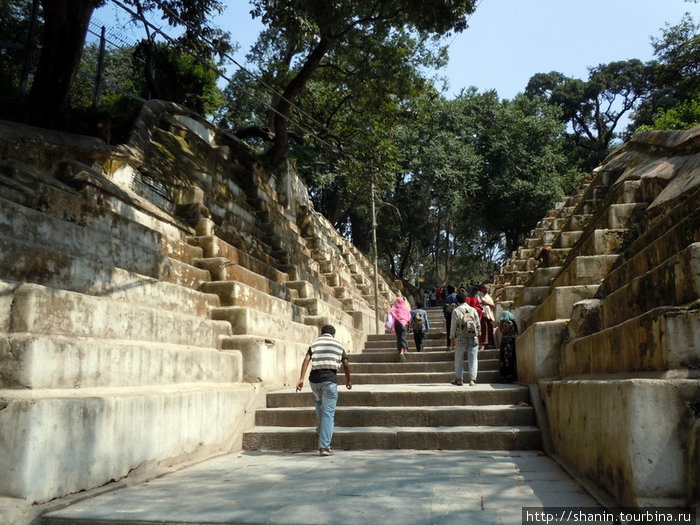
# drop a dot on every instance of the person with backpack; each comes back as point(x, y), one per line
point(465, 329)
point(448, 307)
point(419, 325)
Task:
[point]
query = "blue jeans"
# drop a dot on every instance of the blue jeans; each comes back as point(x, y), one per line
point(471, 347)
point(326, 397)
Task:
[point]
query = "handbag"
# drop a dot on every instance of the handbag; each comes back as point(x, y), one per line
point(389, 321)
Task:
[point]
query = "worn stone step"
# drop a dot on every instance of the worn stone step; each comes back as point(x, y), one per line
point(20, 261)
point(586, 269)
point(566, 239)
point(34, 239)
point(418, 438)
point(42, 362)
point(666, 334)
point(221, 269)
point(538, 350)
point(213, 246)
point(627, 425)
point(434, 416)
point(668, 235)
point(674, 282)
point(40, 310)
point(559, 301)
point(409, 395)
point(274, 361)
point(164, 421)
point(531, 295)
point(248, 321)
point(234, 293)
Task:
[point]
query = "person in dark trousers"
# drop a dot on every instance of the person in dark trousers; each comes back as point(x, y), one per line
point(449, 306)
point(419, 325)
point(326, 355)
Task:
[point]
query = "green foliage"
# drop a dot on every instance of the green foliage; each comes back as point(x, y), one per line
point(675, 85)
point(592, 109)
point(14, 27)
point(685, 115)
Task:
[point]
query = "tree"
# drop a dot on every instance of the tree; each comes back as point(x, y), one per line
point(319, 26)
point(593, 109)
point(675, 86)
point(66, 24)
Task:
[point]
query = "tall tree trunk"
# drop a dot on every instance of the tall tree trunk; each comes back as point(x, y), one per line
point(294, 88)
point(66, 24)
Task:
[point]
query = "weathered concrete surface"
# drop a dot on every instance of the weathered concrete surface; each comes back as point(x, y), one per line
point(618, 432)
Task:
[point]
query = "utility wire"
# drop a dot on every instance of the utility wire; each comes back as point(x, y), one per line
point(171, 40)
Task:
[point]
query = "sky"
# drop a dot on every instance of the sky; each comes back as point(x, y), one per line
point(508, 41)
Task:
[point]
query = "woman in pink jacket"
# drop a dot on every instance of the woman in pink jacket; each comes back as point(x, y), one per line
point(401, 315)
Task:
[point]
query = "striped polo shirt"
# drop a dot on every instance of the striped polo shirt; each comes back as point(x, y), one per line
point(326, 356)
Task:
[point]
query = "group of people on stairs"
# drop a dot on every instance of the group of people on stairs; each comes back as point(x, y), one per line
point(469, 321)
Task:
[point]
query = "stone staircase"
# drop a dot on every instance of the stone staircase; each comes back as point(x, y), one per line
point(139, 322)
point(609, 331)
point(405, 405)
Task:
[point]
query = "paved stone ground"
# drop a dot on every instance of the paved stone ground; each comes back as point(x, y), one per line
point(352, 487)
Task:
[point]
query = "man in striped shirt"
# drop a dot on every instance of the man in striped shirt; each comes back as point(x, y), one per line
point(326, 354)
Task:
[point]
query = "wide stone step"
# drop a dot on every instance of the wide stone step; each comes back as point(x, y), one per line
point(248, 321)
point(36, 362)
point(559, 302)
point(409, 395)
point(434, 416)
point(586, 269)
point(213, 246)
point(667, 335)
point(124, 427)
point(234, 293)
point(403, 378)
point(674, 282)
point(36, 243)
point(40, 310)
point(221, 269)
point(418, 438)
point(20, 261)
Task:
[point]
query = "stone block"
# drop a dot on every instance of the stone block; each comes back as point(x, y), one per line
point(538, 350)
point(665, 338)
point(275, 362)
point(247, 321)
point(636, 438)
point(559, 302)
point(54, 443)
point(42, 362)
point(41, 310)
point(234, 293)
point(586, 269)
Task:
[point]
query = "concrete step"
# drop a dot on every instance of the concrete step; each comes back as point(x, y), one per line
point(247, 321)
point(674, 282)
point(418, 438)
point(160, 423)
point(586, 269)
point(409, 395)
point(434, 416)
point(664, 338)
point(405, 378)
point(559, 302)
point(43, 362)
point(416, 357)
point(537, 349)
point(40, 310)
point(20, 261)
point(34, 239)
